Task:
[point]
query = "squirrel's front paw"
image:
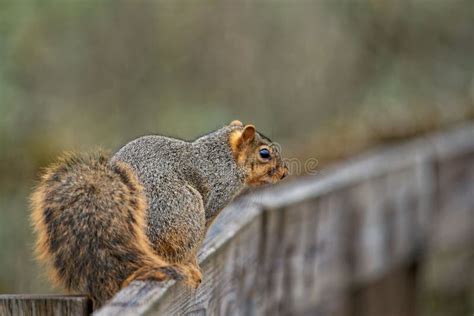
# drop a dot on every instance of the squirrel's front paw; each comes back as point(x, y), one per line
point(196, 276)
point(193, 276)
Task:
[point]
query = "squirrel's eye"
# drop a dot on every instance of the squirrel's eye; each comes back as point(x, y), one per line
point(264, 153)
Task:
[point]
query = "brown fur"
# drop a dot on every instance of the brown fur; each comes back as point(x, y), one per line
point(245, 143)
point(95, 231)
point(89, 218)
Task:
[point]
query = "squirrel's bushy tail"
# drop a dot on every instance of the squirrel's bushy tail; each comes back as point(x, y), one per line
point(89, 217)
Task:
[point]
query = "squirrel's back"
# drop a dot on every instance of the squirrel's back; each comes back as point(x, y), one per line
point(89, 216)
point(96, 231)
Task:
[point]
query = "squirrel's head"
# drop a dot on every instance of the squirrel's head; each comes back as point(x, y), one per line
point(258, 155)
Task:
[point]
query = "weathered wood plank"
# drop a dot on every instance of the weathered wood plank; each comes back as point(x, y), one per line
point(228, 288)
point(327, 272)
point(44, 305)
point(448, 268)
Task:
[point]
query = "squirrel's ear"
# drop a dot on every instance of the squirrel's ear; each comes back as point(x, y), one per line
point(248, 134)
point(236, 123)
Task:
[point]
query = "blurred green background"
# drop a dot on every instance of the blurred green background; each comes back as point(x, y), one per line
point(325, 78)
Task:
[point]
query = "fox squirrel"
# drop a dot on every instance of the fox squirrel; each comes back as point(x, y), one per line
point(102, 222)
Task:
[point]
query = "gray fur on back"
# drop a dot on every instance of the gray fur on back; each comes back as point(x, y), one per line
point(186, 183)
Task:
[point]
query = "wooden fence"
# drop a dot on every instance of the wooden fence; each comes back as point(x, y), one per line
point(388, 233)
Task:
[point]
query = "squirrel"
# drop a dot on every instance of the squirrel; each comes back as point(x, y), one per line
point(102, 222)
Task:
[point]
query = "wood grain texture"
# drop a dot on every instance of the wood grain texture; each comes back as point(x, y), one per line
point(447, 278)
point(44, 305)
point(350, 241)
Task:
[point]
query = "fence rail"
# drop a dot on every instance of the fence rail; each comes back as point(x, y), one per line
point(39, 305)
point(388, 233)
point(360, 238)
